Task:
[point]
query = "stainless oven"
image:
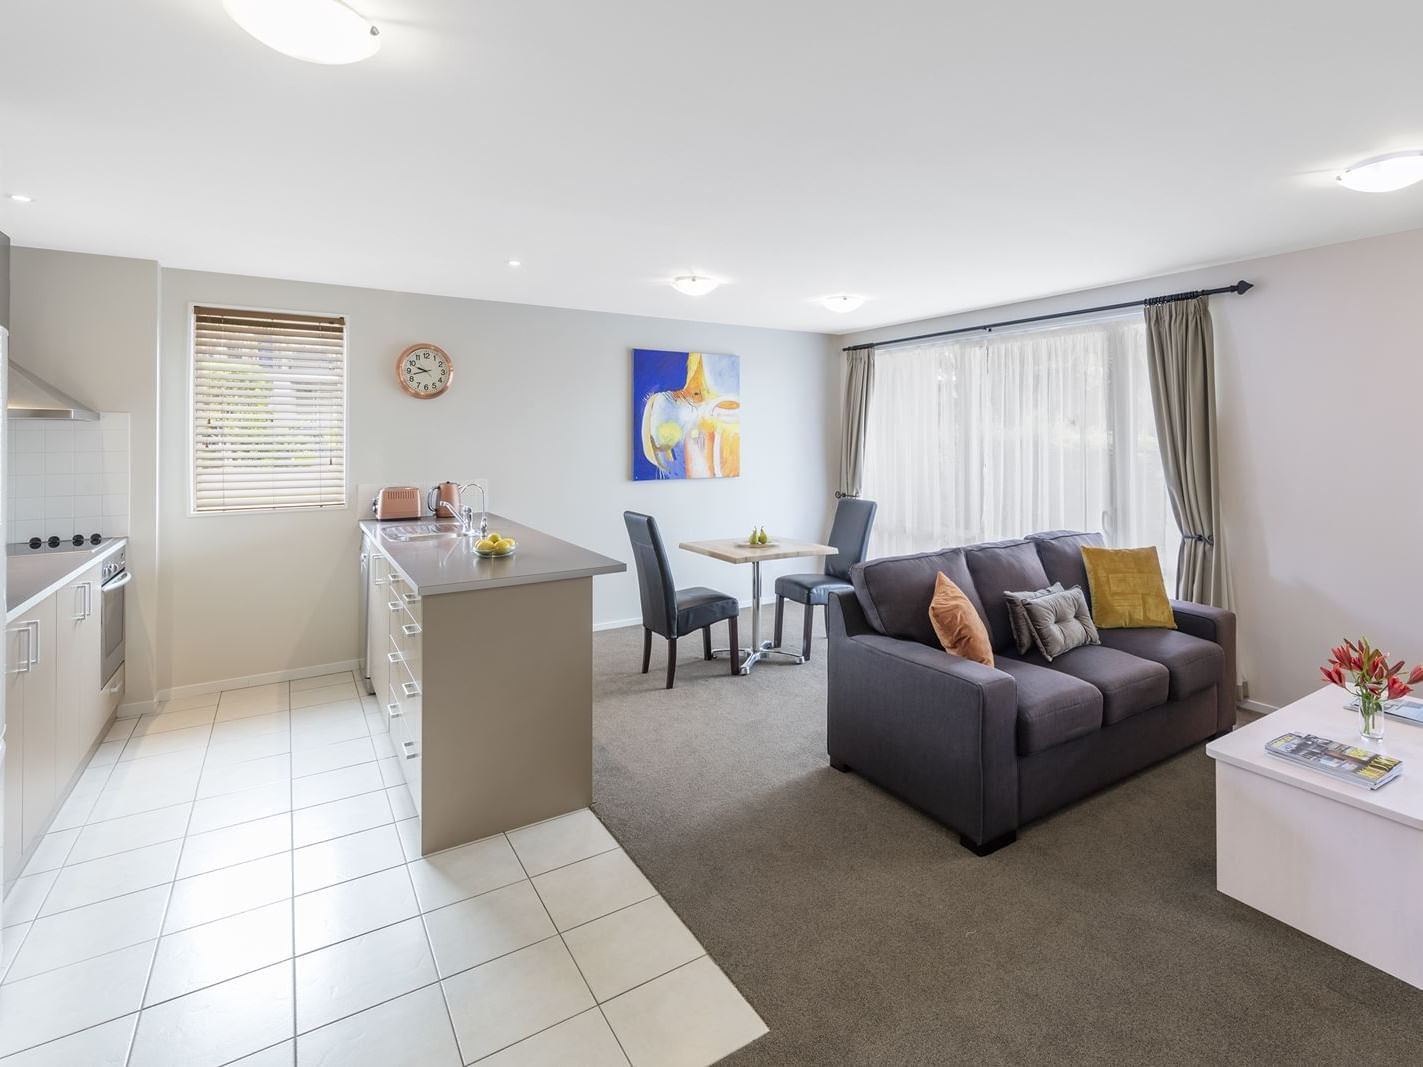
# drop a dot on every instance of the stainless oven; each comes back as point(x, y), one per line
point(115, 576)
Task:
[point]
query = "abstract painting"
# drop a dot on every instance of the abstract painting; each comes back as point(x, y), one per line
point(686, 415)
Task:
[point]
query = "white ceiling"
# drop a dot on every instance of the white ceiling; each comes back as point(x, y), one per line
point(934, 156)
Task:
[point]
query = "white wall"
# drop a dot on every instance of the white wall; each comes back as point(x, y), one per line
point(1320, 402)
point(89, 325)
point(540, 406)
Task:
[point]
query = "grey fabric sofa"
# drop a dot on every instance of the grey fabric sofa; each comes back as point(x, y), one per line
point(985, 750)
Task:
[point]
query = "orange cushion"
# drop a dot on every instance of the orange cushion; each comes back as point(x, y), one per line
point(1127, 588)
point(960, 629)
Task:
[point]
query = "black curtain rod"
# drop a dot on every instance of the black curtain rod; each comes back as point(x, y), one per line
point(1238, 288)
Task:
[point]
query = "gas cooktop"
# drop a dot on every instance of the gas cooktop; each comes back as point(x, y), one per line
point(76, 543)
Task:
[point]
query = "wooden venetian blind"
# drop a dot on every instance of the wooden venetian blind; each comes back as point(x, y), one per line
point(269, 410)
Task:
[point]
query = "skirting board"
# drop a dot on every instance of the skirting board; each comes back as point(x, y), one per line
point(1256, 707)
point(127, 711)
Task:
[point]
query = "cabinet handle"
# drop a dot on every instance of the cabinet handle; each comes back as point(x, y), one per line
point(23, 628)
point(393, 710)
point(409, 747)
point(395, 657)
point(411, 689)
point(411, 598)
point(393, 605)
point(381, 581)
point(80, 611)
point(410, 629)
point(88, 599)
point(35, 647)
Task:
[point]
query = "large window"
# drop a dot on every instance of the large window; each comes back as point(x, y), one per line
point(269, 410)
point(997, 435)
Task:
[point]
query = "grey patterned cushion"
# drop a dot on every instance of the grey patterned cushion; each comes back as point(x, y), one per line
point(1018, 618)
point(1060, 622)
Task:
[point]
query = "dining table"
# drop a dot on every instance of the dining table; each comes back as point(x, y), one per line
point(739, 551)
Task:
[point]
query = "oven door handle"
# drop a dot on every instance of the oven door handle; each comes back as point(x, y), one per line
point(116, 583)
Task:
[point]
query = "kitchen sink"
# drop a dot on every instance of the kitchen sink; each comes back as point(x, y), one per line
point(422, 531)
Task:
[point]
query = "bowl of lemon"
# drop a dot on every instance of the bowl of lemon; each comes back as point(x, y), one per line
point(493, 546)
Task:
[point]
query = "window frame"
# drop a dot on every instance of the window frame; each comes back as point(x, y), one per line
point(192, 388)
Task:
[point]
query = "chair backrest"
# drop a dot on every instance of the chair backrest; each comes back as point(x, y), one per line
point(850, 533)
point(654, 576)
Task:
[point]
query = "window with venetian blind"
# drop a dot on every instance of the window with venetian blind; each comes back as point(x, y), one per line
point(269, 410)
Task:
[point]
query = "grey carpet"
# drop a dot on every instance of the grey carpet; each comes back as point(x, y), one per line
point(864, 933)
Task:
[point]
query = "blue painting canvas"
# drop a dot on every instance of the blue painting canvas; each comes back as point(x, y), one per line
point(686, 415)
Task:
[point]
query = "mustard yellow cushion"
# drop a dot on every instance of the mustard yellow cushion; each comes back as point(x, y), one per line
point(957, 624)
point(1127, 588)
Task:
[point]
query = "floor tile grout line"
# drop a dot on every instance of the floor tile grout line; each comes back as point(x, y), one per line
point(564, 942)
point(158, 943)
point(434, 960)
point(85, 959)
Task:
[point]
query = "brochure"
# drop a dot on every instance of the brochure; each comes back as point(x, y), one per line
point(1358, 766)
point(1409, 709)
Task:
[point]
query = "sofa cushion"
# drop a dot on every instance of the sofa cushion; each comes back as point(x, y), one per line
point(997, 568)
point(1018, 618)
point(1128, 684)
point(894, 592)
point(1053, 708)
point(1193, 663)
point(1061, 554)
point(958, 624)
point(1127, 588)
point(1060, 622)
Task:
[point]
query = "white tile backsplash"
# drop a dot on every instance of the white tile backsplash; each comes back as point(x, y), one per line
point(68, 478)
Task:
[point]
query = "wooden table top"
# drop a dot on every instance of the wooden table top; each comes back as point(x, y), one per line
point(735, 550)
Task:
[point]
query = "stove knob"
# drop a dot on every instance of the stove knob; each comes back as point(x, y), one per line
point(53, 541)
point(35, 542)
point(77, 540)
point(94, 539)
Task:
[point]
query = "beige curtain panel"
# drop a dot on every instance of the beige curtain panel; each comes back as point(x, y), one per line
point(859, 384)
point(1181, 360)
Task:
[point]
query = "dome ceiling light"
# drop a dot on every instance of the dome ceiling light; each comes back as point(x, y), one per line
point(1385, 173)
point(694, 284)
point(316, 31)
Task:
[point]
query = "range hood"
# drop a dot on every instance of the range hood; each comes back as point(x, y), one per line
point(31, 397)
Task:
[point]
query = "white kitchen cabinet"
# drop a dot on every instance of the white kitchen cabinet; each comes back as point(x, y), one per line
point(82, 706)
point(30, 702)
point(377, 625)
point(56, 709)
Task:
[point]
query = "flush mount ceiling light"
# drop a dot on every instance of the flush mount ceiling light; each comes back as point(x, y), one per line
point(317, 31)
point(842, 302)
point(694, 284)
point(1384, 174)
point(20, 198)
point(513, 263)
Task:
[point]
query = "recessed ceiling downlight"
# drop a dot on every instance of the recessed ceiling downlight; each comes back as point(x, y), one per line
point(694, 284)
point(20, 198)
point(317, 31)
point(842, 302)
point(1384, 174)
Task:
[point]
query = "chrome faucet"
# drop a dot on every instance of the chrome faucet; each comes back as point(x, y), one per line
point(464, 514)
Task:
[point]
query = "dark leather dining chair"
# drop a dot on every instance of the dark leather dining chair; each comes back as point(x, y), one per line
point(670, 612)
point(850, 533)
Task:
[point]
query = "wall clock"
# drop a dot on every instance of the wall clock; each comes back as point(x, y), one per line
point(424, 371)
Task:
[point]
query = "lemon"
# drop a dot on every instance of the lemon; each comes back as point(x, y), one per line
point(485, 544)
point(503, 548)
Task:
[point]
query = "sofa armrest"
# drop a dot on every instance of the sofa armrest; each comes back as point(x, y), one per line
point(1216, 625)
point(935, 729)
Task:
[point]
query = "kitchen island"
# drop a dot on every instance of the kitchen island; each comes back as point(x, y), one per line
point(485, 670)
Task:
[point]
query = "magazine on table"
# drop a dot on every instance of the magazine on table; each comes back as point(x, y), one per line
point(1409, 709)
point(1358, 766)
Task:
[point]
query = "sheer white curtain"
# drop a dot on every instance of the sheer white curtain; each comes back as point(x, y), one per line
point(997, 435)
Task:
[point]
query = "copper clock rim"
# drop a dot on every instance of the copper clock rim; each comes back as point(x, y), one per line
point(400, 378)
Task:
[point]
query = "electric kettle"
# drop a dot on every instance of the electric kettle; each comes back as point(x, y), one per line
point(446, 493)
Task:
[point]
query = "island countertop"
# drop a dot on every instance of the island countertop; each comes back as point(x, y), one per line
point(451, 565)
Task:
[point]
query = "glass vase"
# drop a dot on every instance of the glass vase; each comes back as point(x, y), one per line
point(1370, 716)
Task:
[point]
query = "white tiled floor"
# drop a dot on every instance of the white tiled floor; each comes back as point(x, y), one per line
point(235, 881)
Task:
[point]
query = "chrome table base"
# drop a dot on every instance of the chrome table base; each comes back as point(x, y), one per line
point(758, 650)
